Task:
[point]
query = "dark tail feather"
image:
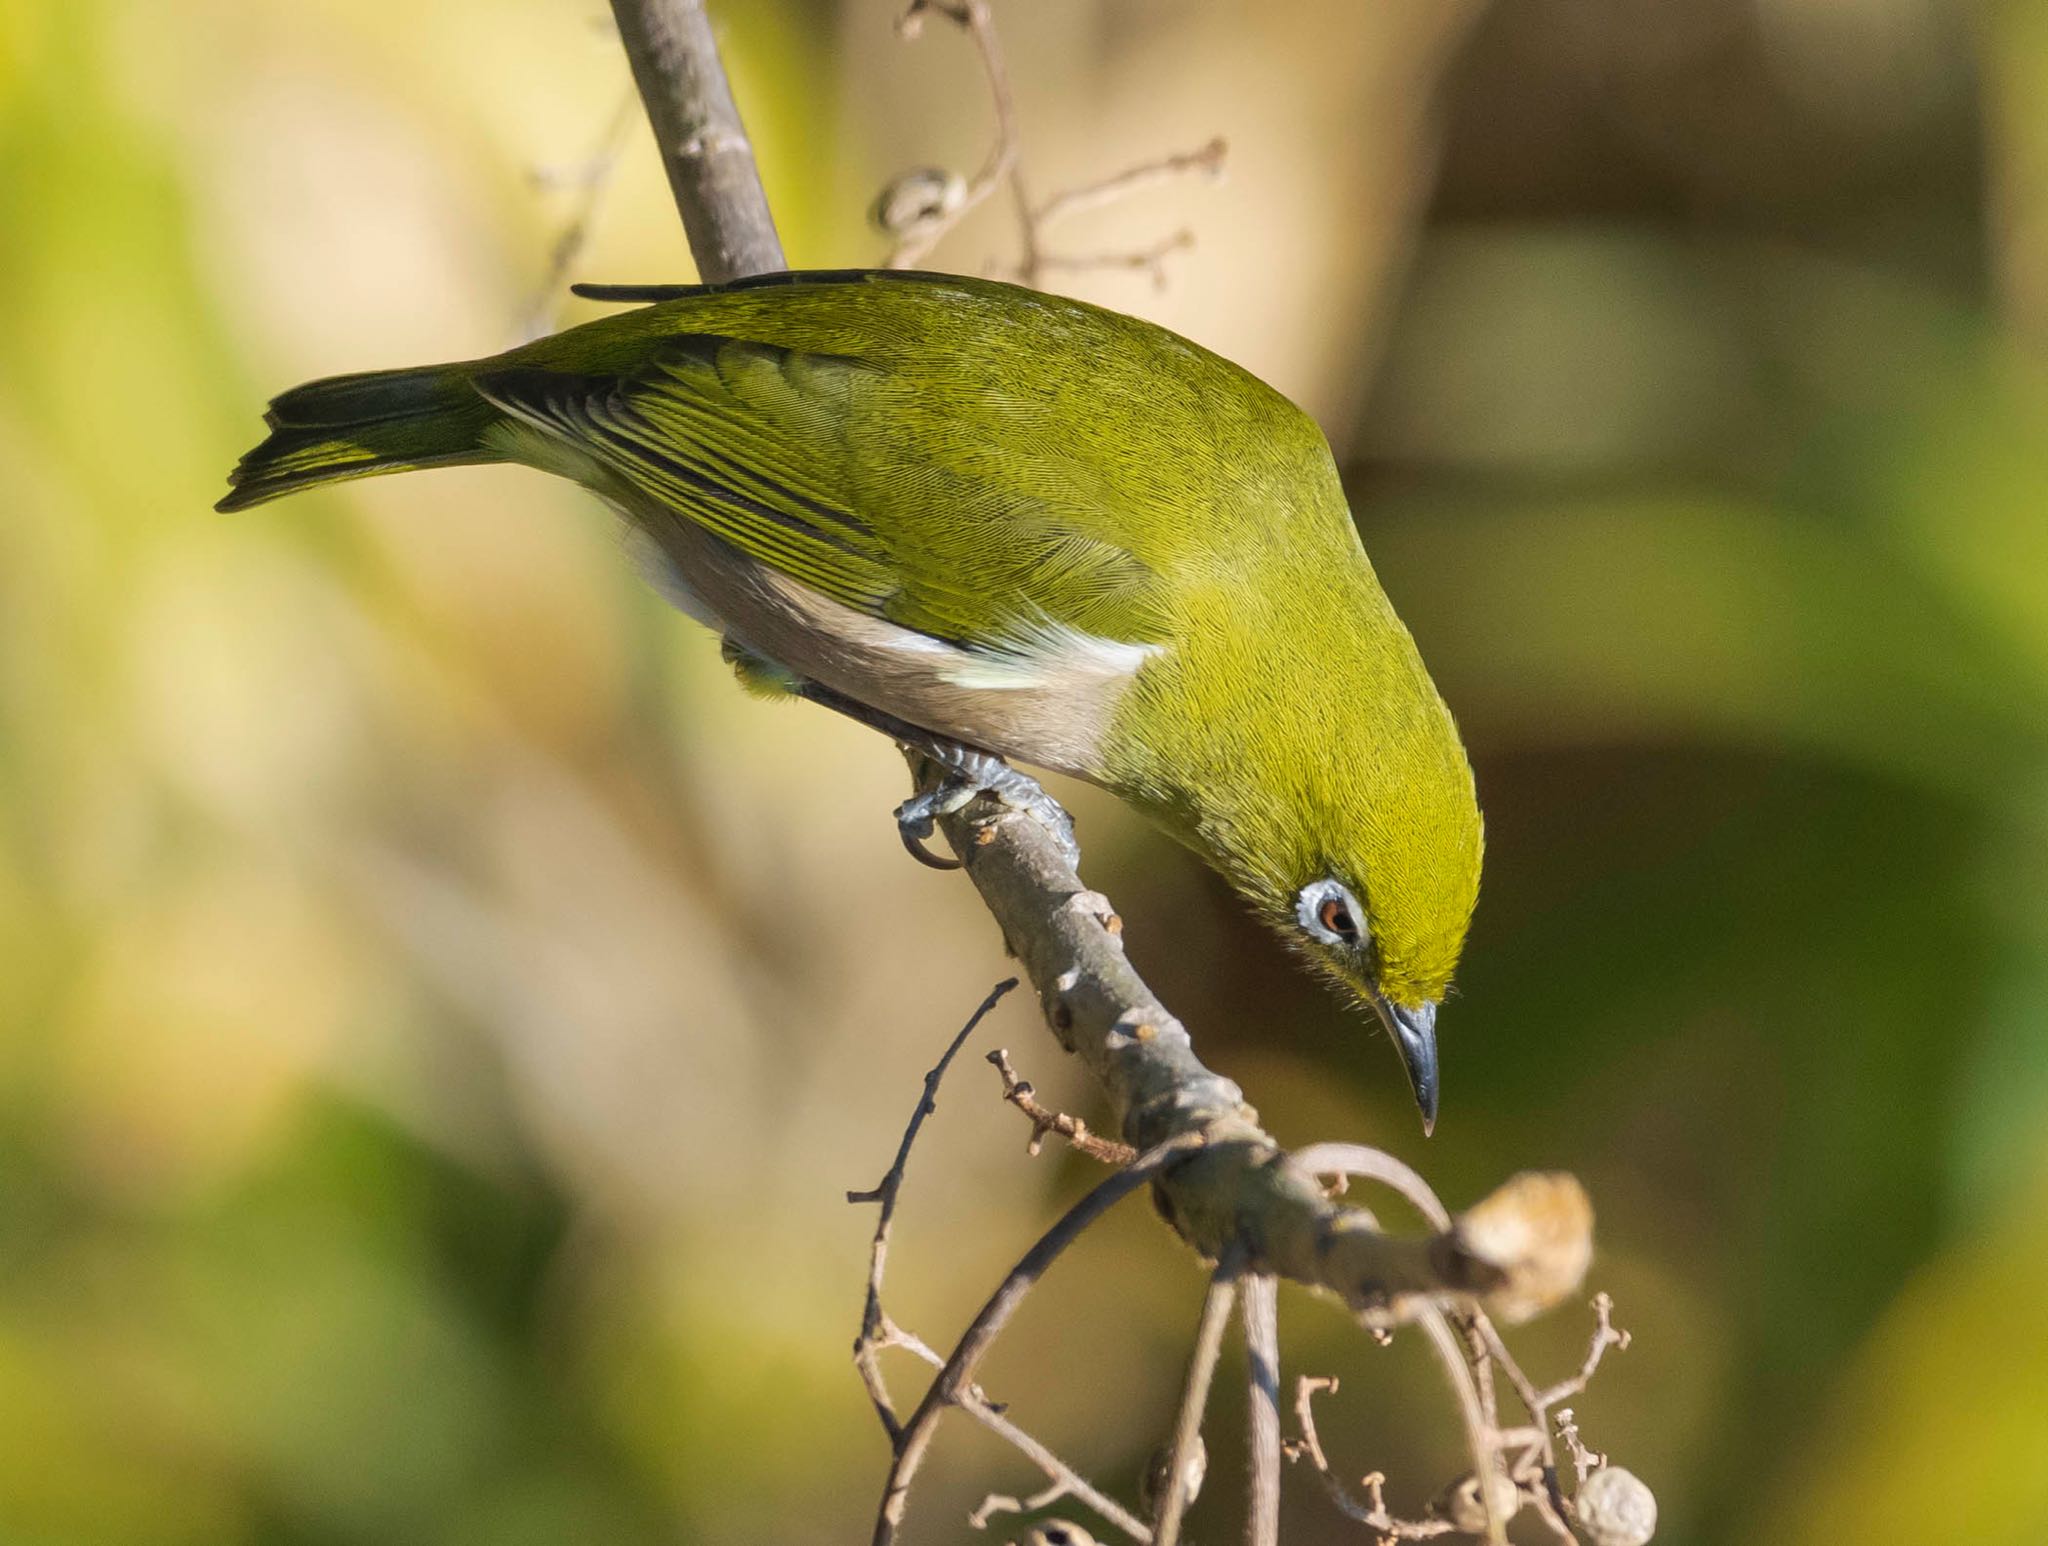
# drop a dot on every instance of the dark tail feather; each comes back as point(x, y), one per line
point(354, 426)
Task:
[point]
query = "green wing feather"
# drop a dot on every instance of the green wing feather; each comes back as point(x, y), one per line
point(848, 473)
point(728, 434)
point(980, 463)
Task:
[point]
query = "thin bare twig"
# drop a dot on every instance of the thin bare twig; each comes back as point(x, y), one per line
point(1584, 1460)
point(1480, 1429)
point(929, 205)
point(1262, 1346)
point(1019, 1093)
point(1468, 1359)
point(1149, 260)
point(1206, 161)
point(589, 178)
point(1370, 1164)
point(1470, 1349)
point(1536, 1483)
point(1370, 1510)
point(1173, 1500)
point(997, 1503)
point(974, 1343)
point(1004, 1503)
point(973, 17)
point(878, 1333)
point(1605, 1335)
point(1538, 1403)
point(876, 1330)
point(1062, 1480)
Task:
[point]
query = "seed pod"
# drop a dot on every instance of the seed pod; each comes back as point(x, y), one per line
point(917, 200)
point(1615, 1508)
point(1152, 1485)
point(1460, 1504)
point(1057, 1532)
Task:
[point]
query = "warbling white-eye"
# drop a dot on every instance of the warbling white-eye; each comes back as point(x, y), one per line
point(1001, 525)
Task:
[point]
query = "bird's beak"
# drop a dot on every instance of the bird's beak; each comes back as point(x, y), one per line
point(1414, 1032)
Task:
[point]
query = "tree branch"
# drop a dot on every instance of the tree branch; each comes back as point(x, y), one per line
point(1262, 1360)
point(704, 147)
point(1175, 1493)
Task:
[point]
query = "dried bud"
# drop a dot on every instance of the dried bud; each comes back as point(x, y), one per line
point(1536, 1231)
point(917, 200)
point(1460, 1505)
point(1152, 1485)
point(1615, 1508)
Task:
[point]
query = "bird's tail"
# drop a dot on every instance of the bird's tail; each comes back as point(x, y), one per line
point(354, 426)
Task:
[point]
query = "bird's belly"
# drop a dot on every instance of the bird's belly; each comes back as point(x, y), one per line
point(1051, 709)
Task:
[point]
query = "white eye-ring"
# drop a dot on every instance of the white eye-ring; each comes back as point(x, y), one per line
point(1328, 911)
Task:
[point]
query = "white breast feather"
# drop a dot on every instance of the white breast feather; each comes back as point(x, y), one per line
point(1043, 652)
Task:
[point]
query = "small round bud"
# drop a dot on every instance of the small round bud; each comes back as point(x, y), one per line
point(1615, 1508)
point(1057, 1532)
point(920, 198)
point(1460, 1505)
point(1152, 1485)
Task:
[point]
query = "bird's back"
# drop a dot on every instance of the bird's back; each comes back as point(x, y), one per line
point(991, 507)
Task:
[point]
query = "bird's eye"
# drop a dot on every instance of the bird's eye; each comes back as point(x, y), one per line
point(1329, 912)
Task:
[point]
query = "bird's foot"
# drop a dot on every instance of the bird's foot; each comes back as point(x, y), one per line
point(968, 775)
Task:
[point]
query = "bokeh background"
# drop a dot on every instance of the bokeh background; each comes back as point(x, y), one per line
point(440, 1016)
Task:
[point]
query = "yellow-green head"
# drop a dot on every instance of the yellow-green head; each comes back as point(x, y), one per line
point(1295, 740)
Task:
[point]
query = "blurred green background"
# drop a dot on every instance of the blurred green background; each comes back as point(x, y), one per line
point(439, 1016)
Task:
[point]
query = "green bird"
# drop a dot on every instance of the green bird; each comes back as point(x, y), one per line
point(1001, 526)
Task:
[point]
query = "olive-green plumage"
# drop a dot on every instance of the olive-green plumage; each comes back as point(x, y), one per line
point(1018, 522)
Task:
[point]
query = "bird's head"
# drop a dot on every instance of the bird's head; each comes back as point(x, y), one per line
point(1383, 902)
point(1368, 865)
point(1398, 959)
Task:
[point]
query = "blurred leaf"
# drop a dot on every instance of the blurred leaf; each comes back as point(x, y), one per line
point(1940, 1422)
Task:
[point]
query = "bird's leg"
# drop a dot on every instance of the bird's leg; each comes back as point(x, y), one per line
point(967, 772)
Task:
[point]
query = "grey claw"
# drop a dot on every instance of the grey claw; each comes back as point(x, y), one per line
point(982, 774)
point(914, 845)
point(914, 825)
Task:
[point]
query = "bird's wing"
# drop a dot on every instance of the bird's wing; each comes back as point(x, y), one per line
point(716, 430)
point(755, 443)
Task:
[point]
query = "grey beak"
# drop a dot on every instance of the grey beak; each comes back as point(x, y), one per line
point(1414, 1032)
